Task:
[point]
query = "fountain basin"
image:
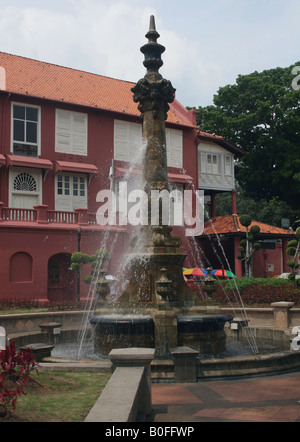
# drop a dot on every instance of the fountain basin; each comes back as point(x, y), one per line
point(204, 333)
point(121, 331)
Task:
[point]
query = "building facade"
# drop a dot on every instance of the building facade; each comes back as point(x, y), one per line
point(65, 135)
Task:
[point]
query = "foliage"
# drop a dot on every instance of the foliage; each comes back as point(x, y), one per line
point(268, 212)
point(261, 114)
point(11, 304)
point(248, 246)
point(256, 291)
point(59, 396)
point(79, 261)
point(293, 252)
point(15, 367)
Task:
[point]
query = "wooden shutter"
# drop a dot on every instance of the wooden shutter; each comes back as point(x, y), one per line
point(63, 132)
point(71, 132)
point(174, 148)
point(127, 140)
point(79, 133)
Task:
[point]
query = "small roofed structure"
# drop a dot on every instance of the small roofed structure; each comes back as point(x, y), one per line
point(222, 235)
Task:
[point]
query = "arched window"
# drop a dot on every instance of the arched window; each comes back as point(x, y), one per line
point(20, 268)
point(25, 182)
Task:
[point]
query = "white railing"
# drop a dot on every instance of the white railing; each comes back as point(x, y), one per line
point(14, 214)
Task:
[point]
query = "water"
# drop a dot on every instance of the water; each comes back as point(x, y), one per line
point(70, 350)
point(122, 266)
point(240, 311)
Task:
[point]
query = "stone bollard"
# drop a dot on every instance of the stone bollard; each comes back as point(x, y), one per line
point(185, 364)
point(282, 314)
point(237, 326)
point(137, 357)
point(52, 330)
point(2, 338)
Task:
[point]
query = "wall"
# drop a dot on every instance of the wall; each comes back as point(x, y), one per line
point(41, 244)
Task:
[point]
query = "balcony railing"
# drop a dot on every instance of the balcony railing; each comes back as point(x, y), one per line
point(13, 214)
point(58, 216)
point(42, 215)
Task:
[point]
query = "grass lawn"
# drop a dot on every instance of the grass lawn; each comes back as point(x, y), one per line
point(57, 396)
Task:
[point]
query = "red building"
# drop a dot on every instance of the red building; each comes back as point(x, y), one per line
point(64, 136)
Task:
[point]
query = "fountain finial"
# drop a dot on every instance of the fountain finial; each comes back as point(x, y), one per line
point(152, 34)
point(152, 50)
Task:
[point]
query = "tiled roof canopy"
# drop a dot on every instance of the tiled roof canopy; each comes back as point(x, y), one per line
point(230, 224)
point(24, 76)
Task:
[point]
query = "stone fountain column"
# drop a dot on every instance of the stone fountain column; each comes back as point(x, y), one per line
point(155, 248)
point(157, 300)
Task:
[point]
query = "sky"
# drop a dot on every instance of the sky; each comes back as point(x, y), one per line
point(208, 42)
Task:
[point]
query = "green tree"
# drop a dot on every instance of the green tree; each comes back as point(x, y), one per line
point(293, 253)
point(261, 114)
point(248, 246)
point(86, 264)
point(268, 212)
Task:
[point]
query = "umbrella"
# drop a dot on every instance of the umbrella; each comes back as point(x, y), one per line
point(195, 272)
point(111, 278)
point(223, 274)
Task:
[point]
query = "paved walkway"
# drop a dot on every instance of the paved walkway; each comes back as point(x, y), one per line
point(272, 398)
point(260, 399)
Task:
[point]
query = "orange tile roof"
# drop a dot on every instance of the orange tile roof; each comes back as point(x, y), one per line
point(52, 82)
point(230, 224)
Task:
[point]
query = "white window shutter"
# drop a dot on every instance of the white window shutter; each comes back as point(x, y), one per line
point(135, 140)
point(127, 140)
point(71, 132)
point(174, 148)
point(63, 131)
point(79, 134)
point(121, 147)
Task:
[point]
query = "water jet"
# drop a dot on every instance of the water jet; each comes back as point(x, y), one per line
point(163, 311)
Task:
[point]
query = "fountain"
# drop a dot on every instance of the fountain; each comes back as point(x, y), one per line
point(157, 309)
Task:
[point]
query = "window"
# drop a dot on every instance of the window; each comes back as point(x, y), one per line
point(78, 186)
point(71, 192)
point(128, 143)
point(174, 148)
point(53, 273)
point(25, 187)
point(71, 132)
point(228, 165)
point(63, 185)
point(25, 130)
point(25, 182)
point(210, 163)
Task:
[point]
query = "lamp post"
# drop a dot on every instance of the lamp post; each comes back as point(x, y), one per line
point(78, 273)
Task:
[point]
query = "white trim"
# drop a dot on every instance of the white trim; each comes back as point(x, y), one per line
point(37, 175)
point(70, 202)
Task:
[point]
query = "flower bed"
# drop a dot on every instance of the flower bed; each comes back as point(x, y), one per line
point(257, 291)
point(25, 304)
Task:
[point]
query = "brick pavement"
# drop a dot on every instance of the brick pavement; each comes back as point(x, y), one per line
point(259, 399)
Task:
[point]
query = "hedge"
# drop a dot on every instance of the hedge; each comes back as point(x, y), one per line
point(255, 291)
point(24, 303)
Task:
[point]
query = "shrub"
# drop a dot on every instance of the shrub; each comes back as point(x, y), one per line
point(245, 220)
point(28, 304)
point(15, 368)
point(256, 291)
